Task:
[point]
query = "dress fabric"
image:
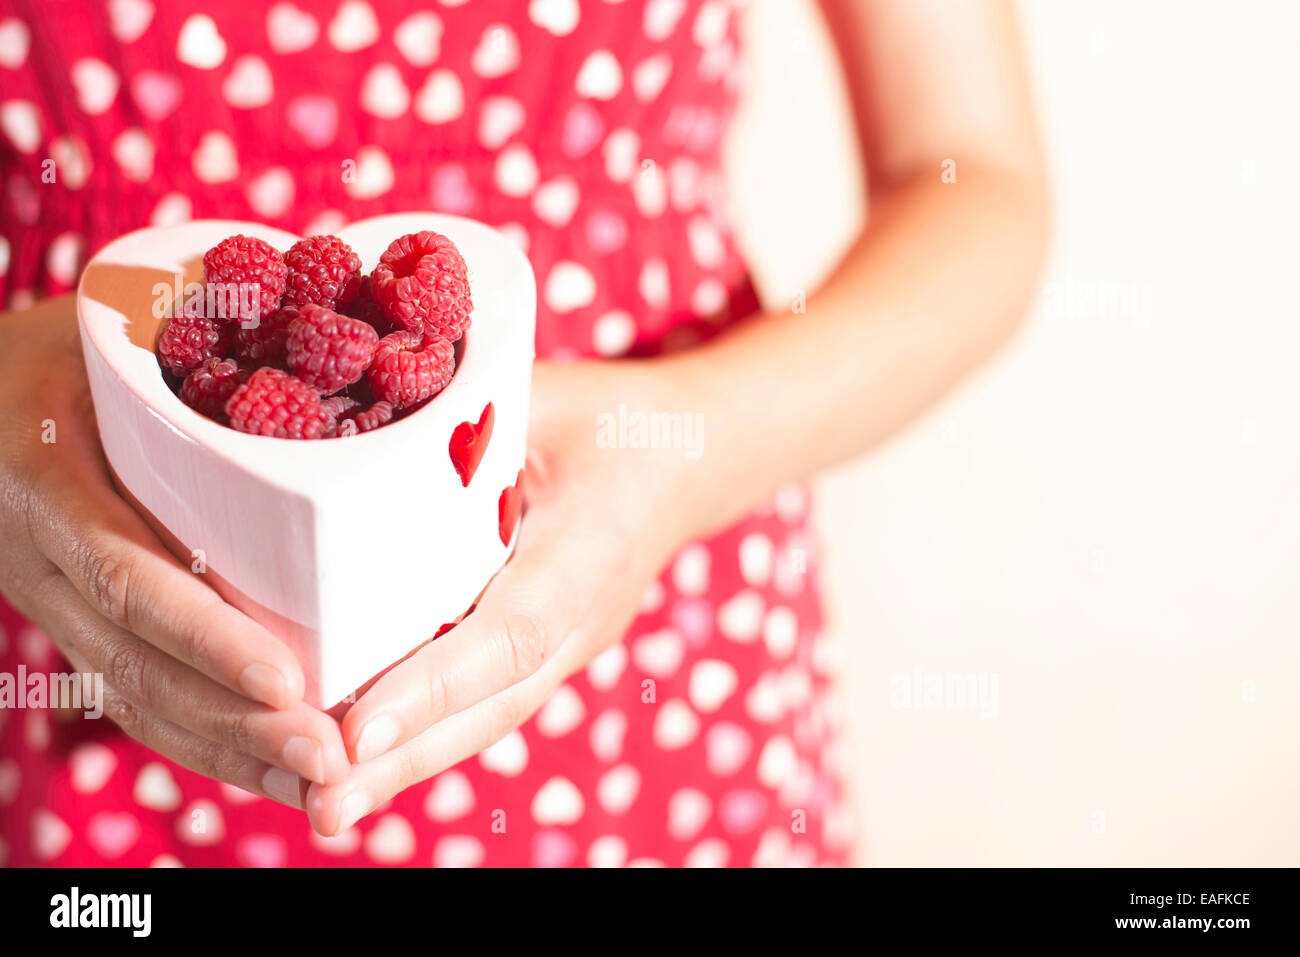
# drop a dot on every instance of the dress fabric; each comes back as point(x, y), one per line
point(590, 133)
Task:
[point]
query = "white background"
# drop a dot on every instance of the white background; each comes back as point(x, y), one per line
point(1108, 516)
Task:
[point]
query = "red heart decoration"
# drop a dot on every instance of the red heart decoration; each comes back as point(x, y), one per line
point(468, 443)
point(508, 508)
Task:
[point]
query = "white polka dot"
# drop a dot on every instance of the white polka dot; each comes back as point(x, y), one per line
point(391, 840)
point(249, 84)
point(557, 802)
point(653, 283)
point(684, 184)
point(650, 190)
point(773, 847)
point(517, 233)
point(778, 762)
point(215, 159)
point(21, 122)
point(712, 852)
point(451, 797)
point(607, 851)
point(727, 748)
point(419, 38)
point(791, 503)
point(327, 223)
point(613, 334)
point(709, 297)
point(383, 93)
point(659, 654)
point(740, 617)
point(688, 811)
point(676, 725)
point(199, 43)
point(96, 83)
point(650, 76)
point(156, 789)
point(600, 77)
point(756, 551)
point(4, 268)
point(710, 25)
point(660, 18)
point(134, 151)
point(516, 171)
point(706, 244)
point(497, 52)
point(618, 788)
point(562, 712)
point(558, 17)
point(556, 200)
point(607, 734)
point(459, 850)
point(63, 258)
point(234, 795)
point(201, 824)
point(92, 765)
point(289, 29)
point(780, 632)
point(508, 757)
point(166, 861)
point(569, 286)
point(712, 683)
point(371, 176)
point(50, 835)
point(622, 152)
point(441, 99)
point(271, 194)
point(354, 27)
point(15, 42)
point(172, 209)
point(500, 118)
point(764, 701)
point(691, 570)
point(607, 667)
point(71, 159)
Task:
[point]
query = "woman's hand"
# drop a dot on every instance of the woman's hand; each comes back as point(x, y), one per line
point(600, 524)
point(184, 672)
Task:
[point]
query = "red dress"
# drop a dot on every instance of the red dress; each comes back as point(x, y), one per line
point(590, 133)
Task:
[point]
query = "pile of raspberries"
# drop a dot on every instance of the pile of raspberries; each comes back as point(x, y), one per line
point(322, 351)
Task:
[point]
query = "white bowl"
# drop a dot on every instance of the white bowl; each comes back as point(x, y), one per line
point(354, 550)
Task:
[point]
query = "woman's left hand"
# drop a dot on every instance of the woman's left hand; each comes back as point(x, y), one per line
point(600, 524)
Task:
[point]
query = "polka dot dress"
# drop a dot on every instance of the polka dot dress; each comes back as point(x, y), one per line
point(589, 133)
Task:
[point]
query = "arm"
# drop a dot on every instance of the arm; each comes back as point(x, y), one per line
point(937, 282)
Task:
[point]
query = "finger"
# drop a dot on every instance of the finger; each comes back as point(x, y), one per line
point(300, 739)
point(520, 620)
point(189, 750)
point(121, 568)
point(334, 808)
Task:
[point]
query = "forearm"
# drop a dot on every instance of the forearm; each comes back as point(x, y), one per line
point(941, 278)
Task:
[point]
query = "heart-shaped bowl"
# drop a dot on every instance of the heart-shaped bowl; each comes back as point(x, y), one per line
point(354, 550)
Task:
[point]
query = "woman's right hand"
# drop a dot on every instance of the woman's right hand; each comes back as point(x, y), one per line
point(184, 672)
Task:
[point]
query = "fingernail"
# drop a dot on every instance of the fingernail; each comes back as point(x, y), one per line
point(264, 683)
point(354, 807)
point(304, 754)
point(377, 736)
point(283, 786)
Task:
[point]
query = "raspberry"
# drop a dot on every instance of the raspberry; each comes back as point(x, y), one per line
point(323, 271)
point(365, 308)
point(406, 370)
point(189, 341)
point(365, 418)
point(244, 259)
point(329, 351)
point(274, 403)
point(423, 284)
point(338, 405)
point(206, 389)
point(265, 343)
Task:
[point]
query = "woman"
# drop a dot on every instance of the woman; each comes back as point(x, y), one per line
point(590, 132)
